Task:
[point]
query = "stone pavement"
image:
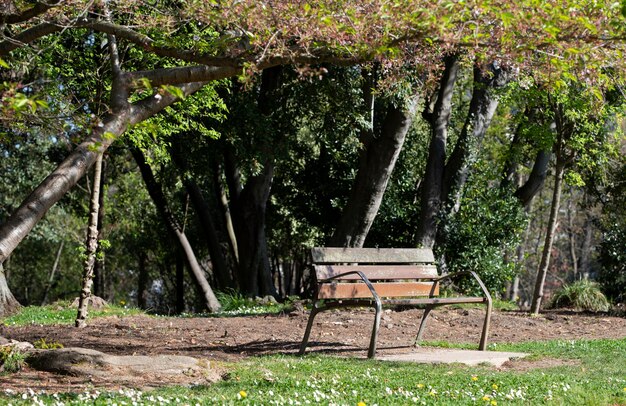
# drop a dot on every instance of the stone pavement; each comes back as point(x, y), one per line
point(449, 356)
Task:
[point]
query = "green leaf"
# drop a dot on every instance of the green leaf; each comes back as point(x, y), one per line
point(4, 64)
point(109, 135)
point(174, 90)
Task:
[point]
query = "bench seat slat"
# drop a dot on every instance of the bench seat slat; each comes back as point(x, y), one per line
point(436, 300)
point(383, 289)
point(377, 272)
point(371, 255)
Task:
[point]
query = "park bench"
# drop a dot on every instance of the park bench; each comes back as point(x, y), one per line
point(354, 277)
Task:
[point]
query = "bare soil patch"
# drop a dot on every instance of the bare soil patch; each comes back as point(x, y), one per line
point(344, 332)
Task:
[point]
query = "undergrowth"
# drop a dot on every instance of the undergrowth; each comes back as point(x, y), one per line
point(11, 359)
point(580, 295)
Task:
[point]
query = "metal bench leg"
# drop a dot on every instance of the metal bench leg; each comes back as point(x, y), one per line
point(372, 350)
point(483, 337)
point(307, 332)
point(423, 323)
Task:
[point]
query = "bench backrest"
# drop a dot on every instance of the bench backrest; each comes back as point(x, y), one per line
point(394, 272)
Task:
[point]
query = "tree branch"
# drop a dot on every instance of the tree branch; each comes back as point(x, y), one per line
point(25, 15)
point(186, 74)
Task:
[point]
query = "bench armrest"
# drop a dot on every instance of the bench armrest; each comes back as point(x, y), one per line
point(363, 278)
point(473, 274)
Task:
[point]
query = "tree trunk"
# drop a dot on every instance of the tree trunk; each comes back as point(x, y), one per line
point(99, 268)
point(91, 247)
point(224, 209)
point(571, 234)
point(432, 188)
point(180, 283)
point(156, 193)
point(376, 162)
point(249, 203)
point(481, 110)
point(142, 281)
point(8, 303)
point(255, 276)
point(222, 199)
point(53, 272)
point(536, 179)
point(220, 269)
point(586, 249)
point(547, 248)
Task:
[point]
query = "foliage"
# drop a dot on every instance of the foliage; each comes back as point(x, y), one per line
point(612, 275)
point(60, 313)
point(613, 256)
point(580, 295)
point(11, 359)
point(489, 223)
point(597, 379)
point(42, 344)
point(235, 304)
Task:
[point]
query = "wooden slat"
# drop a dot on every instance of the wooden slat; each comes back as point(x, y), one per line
point(438, 300)
point(360, 290)
point(376, 272)
point(323, 255)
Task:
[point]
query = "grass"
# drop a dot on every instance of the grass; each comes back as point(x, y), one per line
point(60, 313)
point(594, 373)
point(596, 376)
point(580, 295)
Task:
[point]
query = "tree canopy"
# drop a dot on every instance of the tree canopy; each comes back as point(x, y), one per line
point(101, 70)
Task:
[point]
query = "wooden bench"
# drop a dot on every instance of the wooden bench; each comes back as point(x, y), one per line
point(350, 277)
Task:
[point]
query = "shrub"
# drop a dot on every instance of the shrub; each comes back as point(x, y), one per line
point(612, 275)
point(11, 359)
point(42, 344)
point(580, 295)
point(489, 224)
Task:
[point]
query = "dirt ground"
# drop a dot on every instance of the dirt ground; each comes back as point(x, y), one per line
point(344, 332)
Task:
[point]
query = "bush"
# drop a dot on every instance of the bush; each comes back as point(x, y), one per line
point(11, 359)
point(489, 223)
point(580, 295)
point(612, 275)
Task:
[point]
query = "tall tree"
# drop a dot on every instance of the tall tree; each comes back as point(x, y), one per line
point(437, 114)
point(580, 124)
point(91, 246)
point(346, 33)
point(381, 144)
point(176, 231)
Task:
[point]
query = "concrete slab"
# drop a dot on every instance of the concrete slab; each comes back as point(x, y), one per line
point(449, 356)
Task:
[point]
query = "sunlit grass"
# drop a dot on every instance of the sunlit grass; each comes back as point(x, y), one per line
point(598, 376)
point(592, 372)
point(61, 313)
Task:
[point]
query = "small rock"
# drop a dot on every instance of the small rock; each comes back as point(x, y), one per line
point(265, 300)
point(95, 302)
point(390, 326)
point(19, 345)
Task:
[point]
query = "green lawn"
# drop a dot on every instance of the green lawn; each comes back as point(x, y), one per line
point(594, 373)
point(596, 377)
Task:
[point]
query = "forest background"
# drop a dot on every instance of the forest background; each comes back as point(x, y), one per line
point(233, 136)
